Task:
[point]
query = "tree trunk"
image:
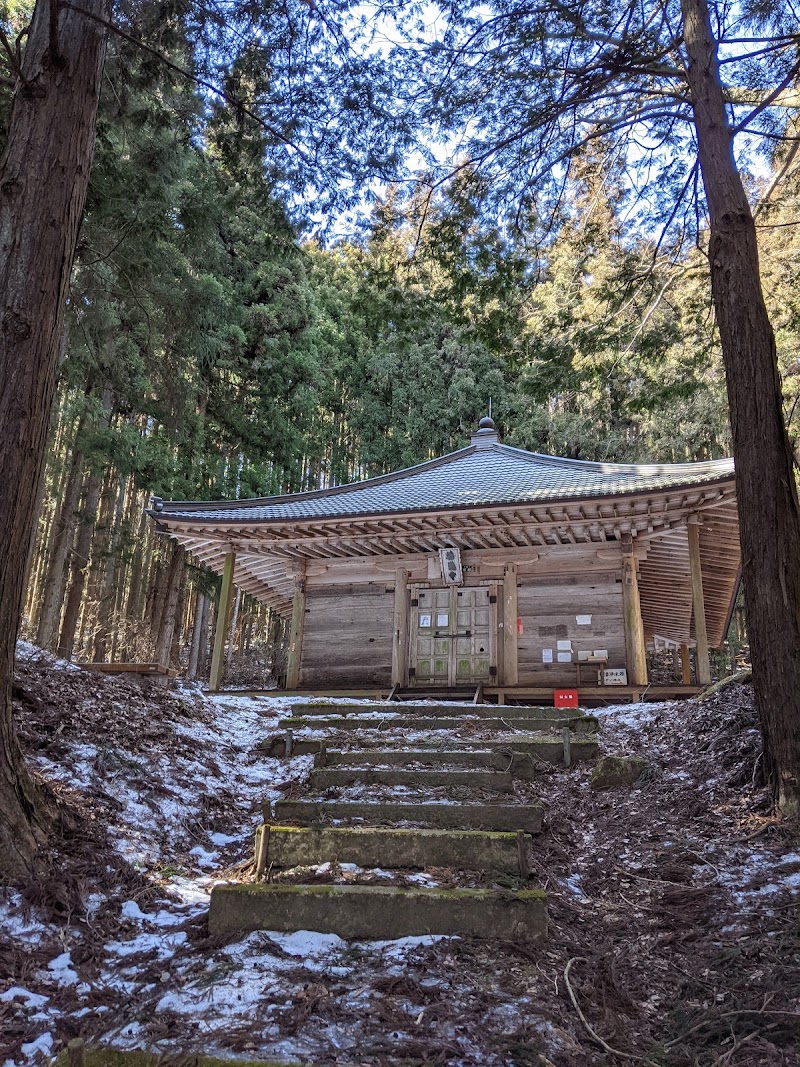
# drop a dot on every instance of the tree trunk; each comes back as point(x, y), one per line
point(44, 172)
point(769, 514)
point(55, 582)
point(141, 563)
point(37, 555)
point(197, 629)
point(230, 643)
point(126, 554)
point(180, 619)
point(80, 566)
point(202, 652)
point(166, 625)
point(107, 584)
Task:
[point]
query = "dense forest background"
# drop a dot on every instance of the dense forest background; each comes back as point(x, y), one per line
point(220, 346)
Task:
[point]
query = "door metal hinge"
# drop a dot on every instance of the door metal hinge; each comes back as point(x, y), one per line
point(492, 599)
point(412, 672)
point(493, 672)
point(415, 603)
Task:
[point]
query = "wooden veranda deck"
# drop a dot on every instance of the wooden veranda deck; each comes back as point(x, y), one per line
point(588, 696)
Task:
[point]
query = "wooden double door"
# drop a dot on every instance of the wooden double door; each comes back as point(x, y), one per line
point(453, 635)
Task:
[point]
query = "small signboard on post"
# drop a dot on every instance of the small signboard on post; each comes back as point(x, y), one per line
point(450, 559)
point(565, 698)
point(615, 676)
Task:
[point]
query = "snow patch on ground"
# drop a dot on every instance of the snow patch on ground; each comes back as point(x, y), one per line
point(186, 811)
point(629, 715)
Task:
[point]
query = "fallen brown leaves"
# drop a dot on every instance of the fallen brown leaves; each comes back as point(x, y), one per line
point(672, 943)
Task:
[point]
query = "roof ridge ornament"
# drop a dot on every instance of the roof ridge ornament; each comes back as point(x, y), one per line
point(486, 435)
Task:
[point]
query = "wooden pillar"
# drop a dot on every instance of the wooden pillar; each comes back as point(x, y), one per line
point(635, 647)
point(400, 631)
point(221, 624)
point(686, 670)
point(510, 610)
point(296, 632)
point(698, 603)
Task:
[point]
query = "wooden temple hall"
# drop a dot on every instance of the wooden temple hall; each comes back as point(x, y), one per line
point(491, 568)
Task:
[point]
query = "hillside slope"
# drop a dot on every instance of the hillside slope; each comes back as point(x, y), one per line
point(673, 904)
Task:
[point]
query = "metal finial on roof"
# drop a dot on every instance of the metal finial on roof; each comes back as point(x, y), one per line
point(486, 435)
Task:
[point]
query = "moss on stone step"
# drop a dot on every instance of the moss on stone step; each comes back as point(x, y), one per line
point(379, 912)
point(613, 771)
point(443, 816)
point(101, 1056)
point(394, 849)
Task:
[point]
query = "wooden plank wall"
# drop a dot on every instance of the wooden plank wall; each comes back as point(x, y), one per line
point(347, 639)
point(548, 607)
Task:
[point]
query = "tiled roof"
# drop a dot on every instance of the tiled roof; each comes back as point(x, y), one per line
point(487, 473)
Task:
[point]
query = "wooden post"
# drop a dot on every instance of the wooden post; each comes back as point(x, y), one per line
point(400, 632)
point(698, 603)
point(632, 614)
point(686, 670)
point(262, 850)
point(296, 632)
point(221, 624)
point(566, 741)
point(523, 855)
point(76, 1052)
point(510, 609)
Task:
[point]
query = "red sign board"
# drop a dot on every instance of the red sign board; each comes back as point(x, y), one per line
point(565, 698)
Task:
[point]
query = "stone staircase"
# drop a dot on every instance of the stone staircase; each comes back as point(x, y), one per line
point(442, 790)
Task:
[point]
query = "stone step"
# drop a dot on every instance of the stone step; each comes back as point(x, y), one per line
point(517, 764)
point(483, 759)
point(579, 724)
point(547, 748)
point(105, 1056)
point(277, 747)
point(494, 755)
point(378, 912)
point(485, 711)
point(470, 850)
point(424, 778)
point(443, 816)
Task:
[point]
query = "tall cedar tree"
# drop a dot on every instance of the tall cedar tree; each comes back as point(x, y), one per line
point(531, 86)
point(765, 471)
point(617, 65)
point(44, 173)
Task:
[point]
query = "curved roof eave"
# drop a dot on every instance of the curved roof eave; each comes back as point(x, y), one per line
point(202, 515)
point(724, 466)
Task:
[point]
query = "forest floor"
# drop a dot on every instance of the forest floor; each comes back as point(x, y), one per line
point(673, 905)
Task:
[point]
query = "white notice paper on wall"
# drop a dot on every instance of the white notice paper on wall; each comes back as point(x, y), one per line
point(583, 656)
point(565, 657)
point(600, 653)
point(583, 620)
point(564, 646)
point(547, 655)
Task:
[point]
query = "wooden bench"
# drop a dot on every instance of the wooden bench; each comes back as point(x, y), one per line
point(157, 672)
